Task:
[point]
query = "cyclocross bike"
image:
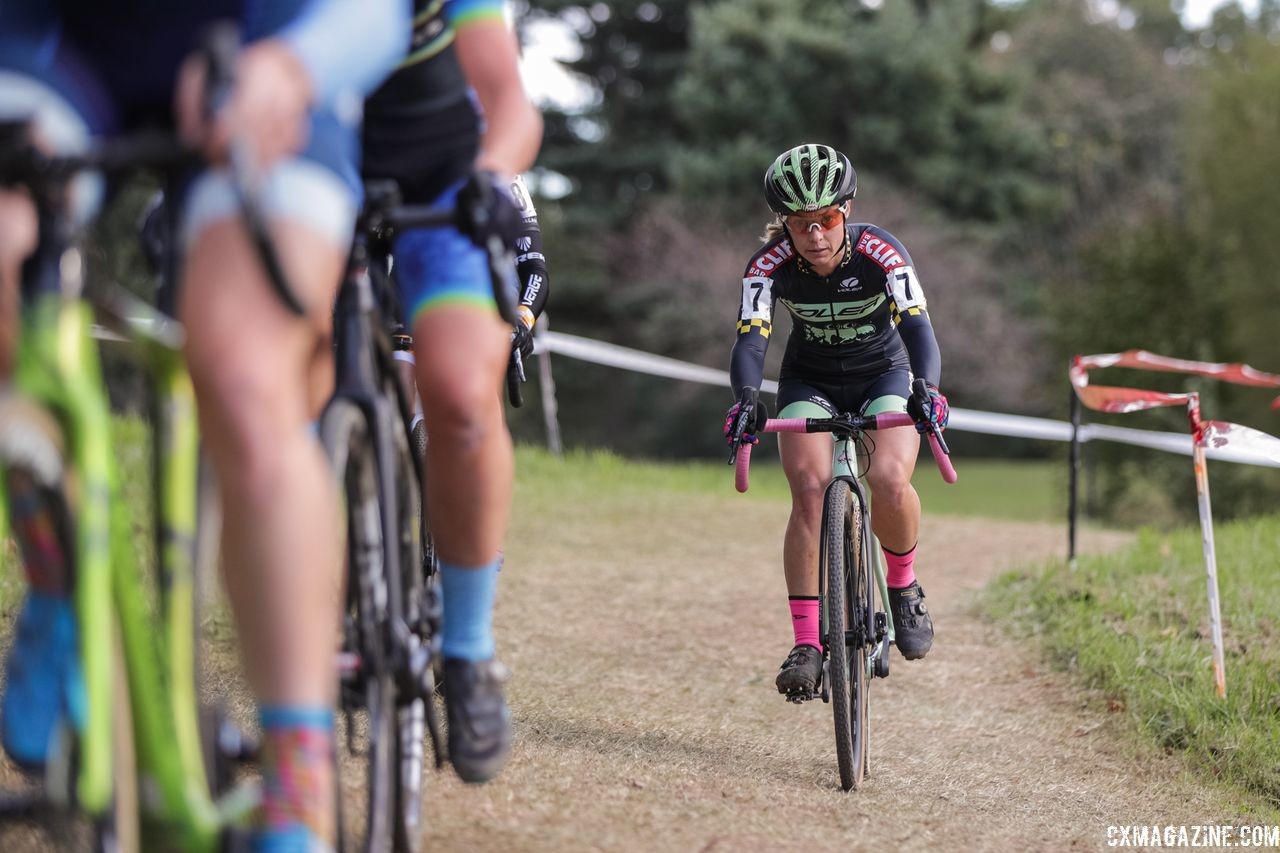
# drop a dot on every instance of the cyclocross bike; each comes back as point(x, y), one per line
point(148, 767)
point(854, 596)
point(391, 628)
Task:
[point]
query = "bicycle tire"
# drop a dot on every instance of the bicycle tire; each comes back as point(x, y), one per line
point(863, 600)
point(347, 439)
point(410, 723)
point(846, 654)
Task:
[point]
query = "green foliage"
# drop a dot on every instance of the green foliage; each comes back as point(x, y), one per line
point(1069, 177)
point(616, 151)
point(1135, 626)
point(1109, 105)
point(902, 90)
point(1236, 193)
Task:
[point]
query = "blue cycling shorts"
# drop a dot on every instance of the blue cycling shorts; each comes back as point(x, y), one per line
point(440, 266)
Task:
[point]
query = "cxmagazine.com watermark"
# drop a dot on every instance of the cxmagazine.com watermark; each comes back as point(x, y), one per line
point(1209, 835)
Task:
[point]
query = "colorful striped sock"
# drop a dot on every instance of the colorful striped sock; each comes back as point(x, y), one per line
point(297, 779)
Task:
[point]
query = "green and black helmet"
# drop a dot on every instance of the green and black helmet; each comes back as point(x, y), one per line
point(809, 177)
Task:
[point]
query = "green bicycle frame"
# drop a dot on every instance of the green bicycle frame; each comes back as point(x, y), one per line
point(844, 459)
point(59, 367)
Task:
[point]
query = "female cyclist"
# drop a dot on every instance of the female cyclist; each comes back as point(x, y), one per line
point(860, 334)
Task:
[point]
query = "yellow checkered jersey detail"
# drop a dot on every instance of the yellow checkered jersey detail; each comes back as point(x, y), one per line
point(745, 326)
point(910, 312)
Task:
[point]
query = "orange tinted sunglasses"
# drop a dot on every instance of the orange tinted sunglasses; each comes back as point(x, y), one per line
point(828, 220)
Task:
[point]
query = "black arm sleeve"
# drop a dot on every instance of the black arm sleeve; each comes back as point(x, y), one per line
point(531, 264)
point(531, 267)
point(746, 362)
point(922, 347)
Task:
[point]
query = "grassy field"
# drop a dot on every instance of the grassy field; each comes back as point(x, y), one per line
point(1018, 491)
point(1135, 626)
point(1021, 491)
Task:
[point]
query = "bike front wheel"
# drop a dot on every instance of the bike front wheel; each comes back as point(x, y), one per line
point(367, 690)
point(845, 597)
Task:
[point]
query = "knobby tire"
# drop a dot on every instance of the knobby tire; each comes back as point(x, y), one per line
point(349, 445)
point(844, 585)
point(410, 724)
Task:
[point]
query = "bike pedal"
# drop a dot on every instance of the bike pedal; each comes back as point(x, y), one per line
point(882, 659)
point(800, 697)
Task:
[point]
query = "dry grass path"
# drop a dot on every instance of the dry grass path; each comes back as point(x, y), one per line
point(644, 634)
point(644, 630)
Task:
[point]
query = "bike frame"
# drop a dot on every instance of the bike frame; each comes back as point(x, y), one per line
point(844, 463)
point(59, 368)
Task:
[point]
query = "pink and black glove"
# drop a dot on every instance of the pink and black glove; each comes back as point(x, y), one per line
point(928, 406)
point(745, 417)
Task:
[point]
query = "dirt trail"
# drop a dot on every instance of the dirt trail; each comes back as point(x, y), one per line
point(645, 640)
point(644, 633)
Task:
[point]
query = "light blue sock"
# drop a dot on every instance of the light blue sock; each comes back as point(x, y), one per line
point(468, 610)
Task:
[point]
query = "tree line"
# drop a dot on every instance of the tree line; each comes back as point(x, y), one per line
point(1069, 177)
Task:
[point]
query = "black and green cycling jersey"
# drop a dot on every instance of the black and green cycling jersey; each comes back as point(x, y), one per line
point(422, 126)
point(869, 316)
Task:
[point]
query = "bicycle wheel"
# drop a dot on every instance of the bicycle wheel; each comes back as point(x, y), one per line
point(411, 710)
point(367, 698)
point(846, 653)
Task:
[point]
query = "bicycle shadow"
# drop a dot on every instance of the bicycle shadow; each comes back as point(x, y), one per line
point(646, 749)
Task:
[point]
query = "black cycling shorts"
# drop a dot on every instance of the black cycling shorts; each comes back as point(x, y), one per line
point(853, 396)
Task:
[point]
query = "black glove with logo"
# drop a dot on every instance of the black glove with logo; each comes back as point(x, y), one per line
point(522, 339)
point(928, 406)
point(751, 411)
point(487, 209)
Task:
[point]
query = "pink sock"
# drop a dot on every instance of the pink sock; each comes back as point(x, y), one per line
point(804, 620)
point(899, 568)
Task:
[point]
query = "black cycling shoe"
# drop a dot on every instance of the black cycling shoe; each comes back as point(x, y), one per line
point(479, 720)
point(800, 672)
point(912, 627)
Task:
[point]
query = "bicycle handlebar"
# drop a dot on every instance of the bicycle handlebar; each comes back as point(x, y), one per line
point(843, 425)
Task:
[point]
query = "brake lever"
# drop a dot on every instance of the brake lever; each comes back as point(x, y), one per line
point(739, 431)
point(936, 432)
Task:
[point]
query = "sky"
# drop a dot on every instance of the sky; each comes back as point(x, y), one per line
point(1197, 13)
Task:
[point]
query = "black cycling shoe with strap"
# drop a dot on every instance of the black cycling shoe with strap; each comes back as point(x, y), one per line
point(800, 672)
point(479, 720)
point(912, 625)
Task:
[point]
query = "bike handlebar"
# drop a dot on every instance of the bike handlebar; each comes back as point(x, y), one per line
point(845, 425)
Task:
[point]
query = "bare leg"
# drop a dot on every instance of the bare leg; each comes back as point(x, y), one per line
point(251, 361)
point(895, 514)
point(461, 354)
point(806, 461)
point(17, 241)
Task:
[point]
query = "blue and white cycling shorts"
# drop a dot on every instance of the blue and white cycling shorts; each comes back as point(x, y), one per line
point(440, 266)
point(77, 91)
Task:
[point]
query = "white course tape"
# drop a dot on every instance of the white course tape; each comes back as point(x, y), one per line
point(965, 420)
